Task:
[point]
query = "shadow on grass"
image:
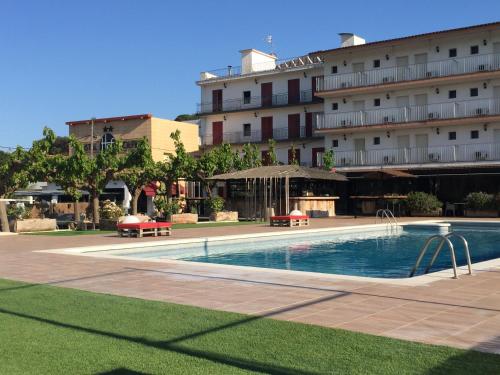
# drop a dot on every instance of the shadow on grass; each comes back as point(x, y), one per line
point(122, 371)
point(172, 345)
point(472, 360)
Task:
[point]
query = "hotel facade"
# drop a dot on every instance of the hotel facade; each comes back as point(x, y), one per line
point(428, 104)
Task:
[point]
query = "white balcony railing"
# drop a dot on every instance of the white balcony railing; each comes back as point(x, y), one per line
point(432, 154)
point(439, 111)
point(241, 137)
point(433, 69)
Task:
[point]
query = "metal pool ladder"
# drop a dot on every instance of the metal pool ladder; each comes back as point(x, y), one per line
point(386, 213)
point(445, 239)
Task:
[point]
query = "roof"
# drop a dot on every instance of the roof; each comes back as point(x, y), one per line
point(381, 173)
point(110, 119)
point(416, 36)
point(281, 171)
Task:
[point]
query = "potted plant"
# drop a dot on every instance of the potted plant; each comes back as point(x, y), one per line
point(217, 212)
point(422, 204)
point(182, 217)
point(480, 204)
point(21, 220)
point(110, 213)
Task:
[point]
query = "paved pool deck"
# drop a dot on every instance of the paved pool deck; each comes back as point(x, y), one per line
point(463, 313)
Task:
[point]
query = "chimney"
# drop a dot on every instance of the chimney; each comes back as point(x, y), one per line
point(350, 39)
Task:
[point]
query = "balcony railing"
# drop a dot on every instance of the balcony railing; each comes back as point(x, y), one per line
point(256, 102)
point(433, 69)
point(420, 155)
point(256, 136)
point(440, 111)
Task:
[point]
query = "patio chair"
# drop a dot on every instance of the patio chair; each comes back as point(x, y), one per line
point(449, 207)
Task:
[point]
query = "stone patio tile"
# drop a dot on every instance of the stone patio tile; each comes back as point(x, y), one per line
point(371, 325)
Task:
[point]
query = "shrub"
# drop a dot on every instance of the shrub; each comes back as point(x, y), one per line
point(18, 211)
point(480, 201)
point(110, 210)
point(165, 206)
point(216, 204)
point(418, 201)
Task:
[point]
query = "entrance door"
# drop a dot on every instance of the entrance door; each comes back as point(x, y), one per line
point(402, 68)
point(217, 132)
point(359, 151)
point(314, 86)
point(496, 144)
point(496, 56)
point(403, 149)
point(266, 94)
point(293, 91)
point(359, 75)
point(359, 109)
point(216, 100)
point(266, 127)
point(403, 111)
point(421, 65)
point(420, 111)
point(294, 126)
point(422, 149)
point(317, 156)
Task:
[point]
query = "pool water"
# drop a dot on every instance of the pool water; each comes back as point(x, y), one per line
point(382, 253)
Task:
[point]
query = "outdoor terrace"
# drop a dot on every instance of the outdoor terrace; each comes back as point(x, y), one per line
point(410, 114)
point(254, 102)
point(430, 70)
point(480, 152)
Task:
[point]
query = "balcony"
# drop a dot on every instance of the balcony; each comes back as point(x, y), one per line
point(254, 102)
point(434, 69)
point(279, 134)
point(400, 115)
point(482, 152)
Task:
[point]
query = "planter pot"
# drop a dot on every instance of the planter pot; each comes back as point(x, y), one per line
point(438, 212)
point(33, 225)
point(184, 218)
point(224, 216)
point(481, 213)
point(108, 224)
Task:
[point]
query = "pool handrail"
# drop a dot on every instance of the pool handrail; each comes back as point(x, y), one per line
point(424, 248)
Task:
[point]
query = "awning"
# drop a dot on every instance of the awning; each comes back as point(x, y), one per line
point(281, 171)
point(382, 174)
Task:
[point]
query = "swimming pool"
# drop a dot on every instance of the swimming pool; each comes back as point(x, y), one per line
point(374, 252)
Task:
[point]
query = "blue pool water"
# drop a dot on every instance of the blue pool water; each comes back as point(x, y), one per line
point(376, 253)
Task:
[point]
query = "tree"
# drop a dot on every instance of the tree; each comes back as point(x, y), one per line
point(329, 160)
point(272, 158)
point(293, 155)
point(186, 117)
point(139, 170)
point(251, 157)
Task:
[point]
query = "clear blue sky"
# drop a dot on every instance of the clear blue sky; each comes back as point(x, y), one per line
point(70, 60)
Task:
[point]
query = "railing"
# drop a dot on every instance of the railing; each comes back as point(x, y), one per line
point(475, 152)
point(256, 102)
point(439, 111)
point(433, 69)
point(254, 136)
point(282, 64)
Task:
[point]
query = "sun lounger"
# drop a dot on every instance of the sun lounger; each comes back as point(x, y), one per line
point(289, 221)
point(141, 229)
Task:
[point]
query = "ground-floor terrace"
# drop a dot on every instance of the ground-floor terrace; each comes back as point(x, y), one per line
point(463, 313)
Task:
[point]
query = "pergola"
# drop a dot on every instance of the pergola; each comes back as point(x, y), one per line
point(272, 185)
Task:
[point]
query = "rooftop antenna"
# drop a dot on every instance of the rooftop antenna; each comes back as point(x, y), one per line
point(269, 40)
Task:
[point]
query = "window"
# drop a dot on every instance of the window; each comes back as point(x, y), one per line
point(335, 143)
point(474, 50)
point(247, 130)
point(376, 63)
point(246, 97)
point(452, 52)
point(376, 102)
point(335, 106)
point(452, 94)
point(376, 140)
point(452, 136)
point(474, 91)
point(107, 140)
point(474, 134)
point(335, 70)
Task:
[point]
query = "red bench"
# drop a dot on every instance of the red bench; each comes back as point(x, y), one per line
point(289, 221)
point(141, 229)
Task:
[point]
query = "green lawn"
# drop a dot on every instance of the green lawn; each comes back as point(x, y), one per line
point(175, 226)
point(51, 330)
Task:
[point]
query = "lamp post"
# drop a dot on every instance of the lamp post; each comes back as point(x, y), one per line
point(92, 120)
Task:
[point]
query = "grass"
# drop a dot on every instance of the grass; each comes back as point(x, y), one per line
point(63, 233)
point(51, 330)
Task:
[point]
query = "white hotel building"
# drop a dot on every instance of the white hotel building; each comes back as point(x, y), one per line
point(428, 104)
